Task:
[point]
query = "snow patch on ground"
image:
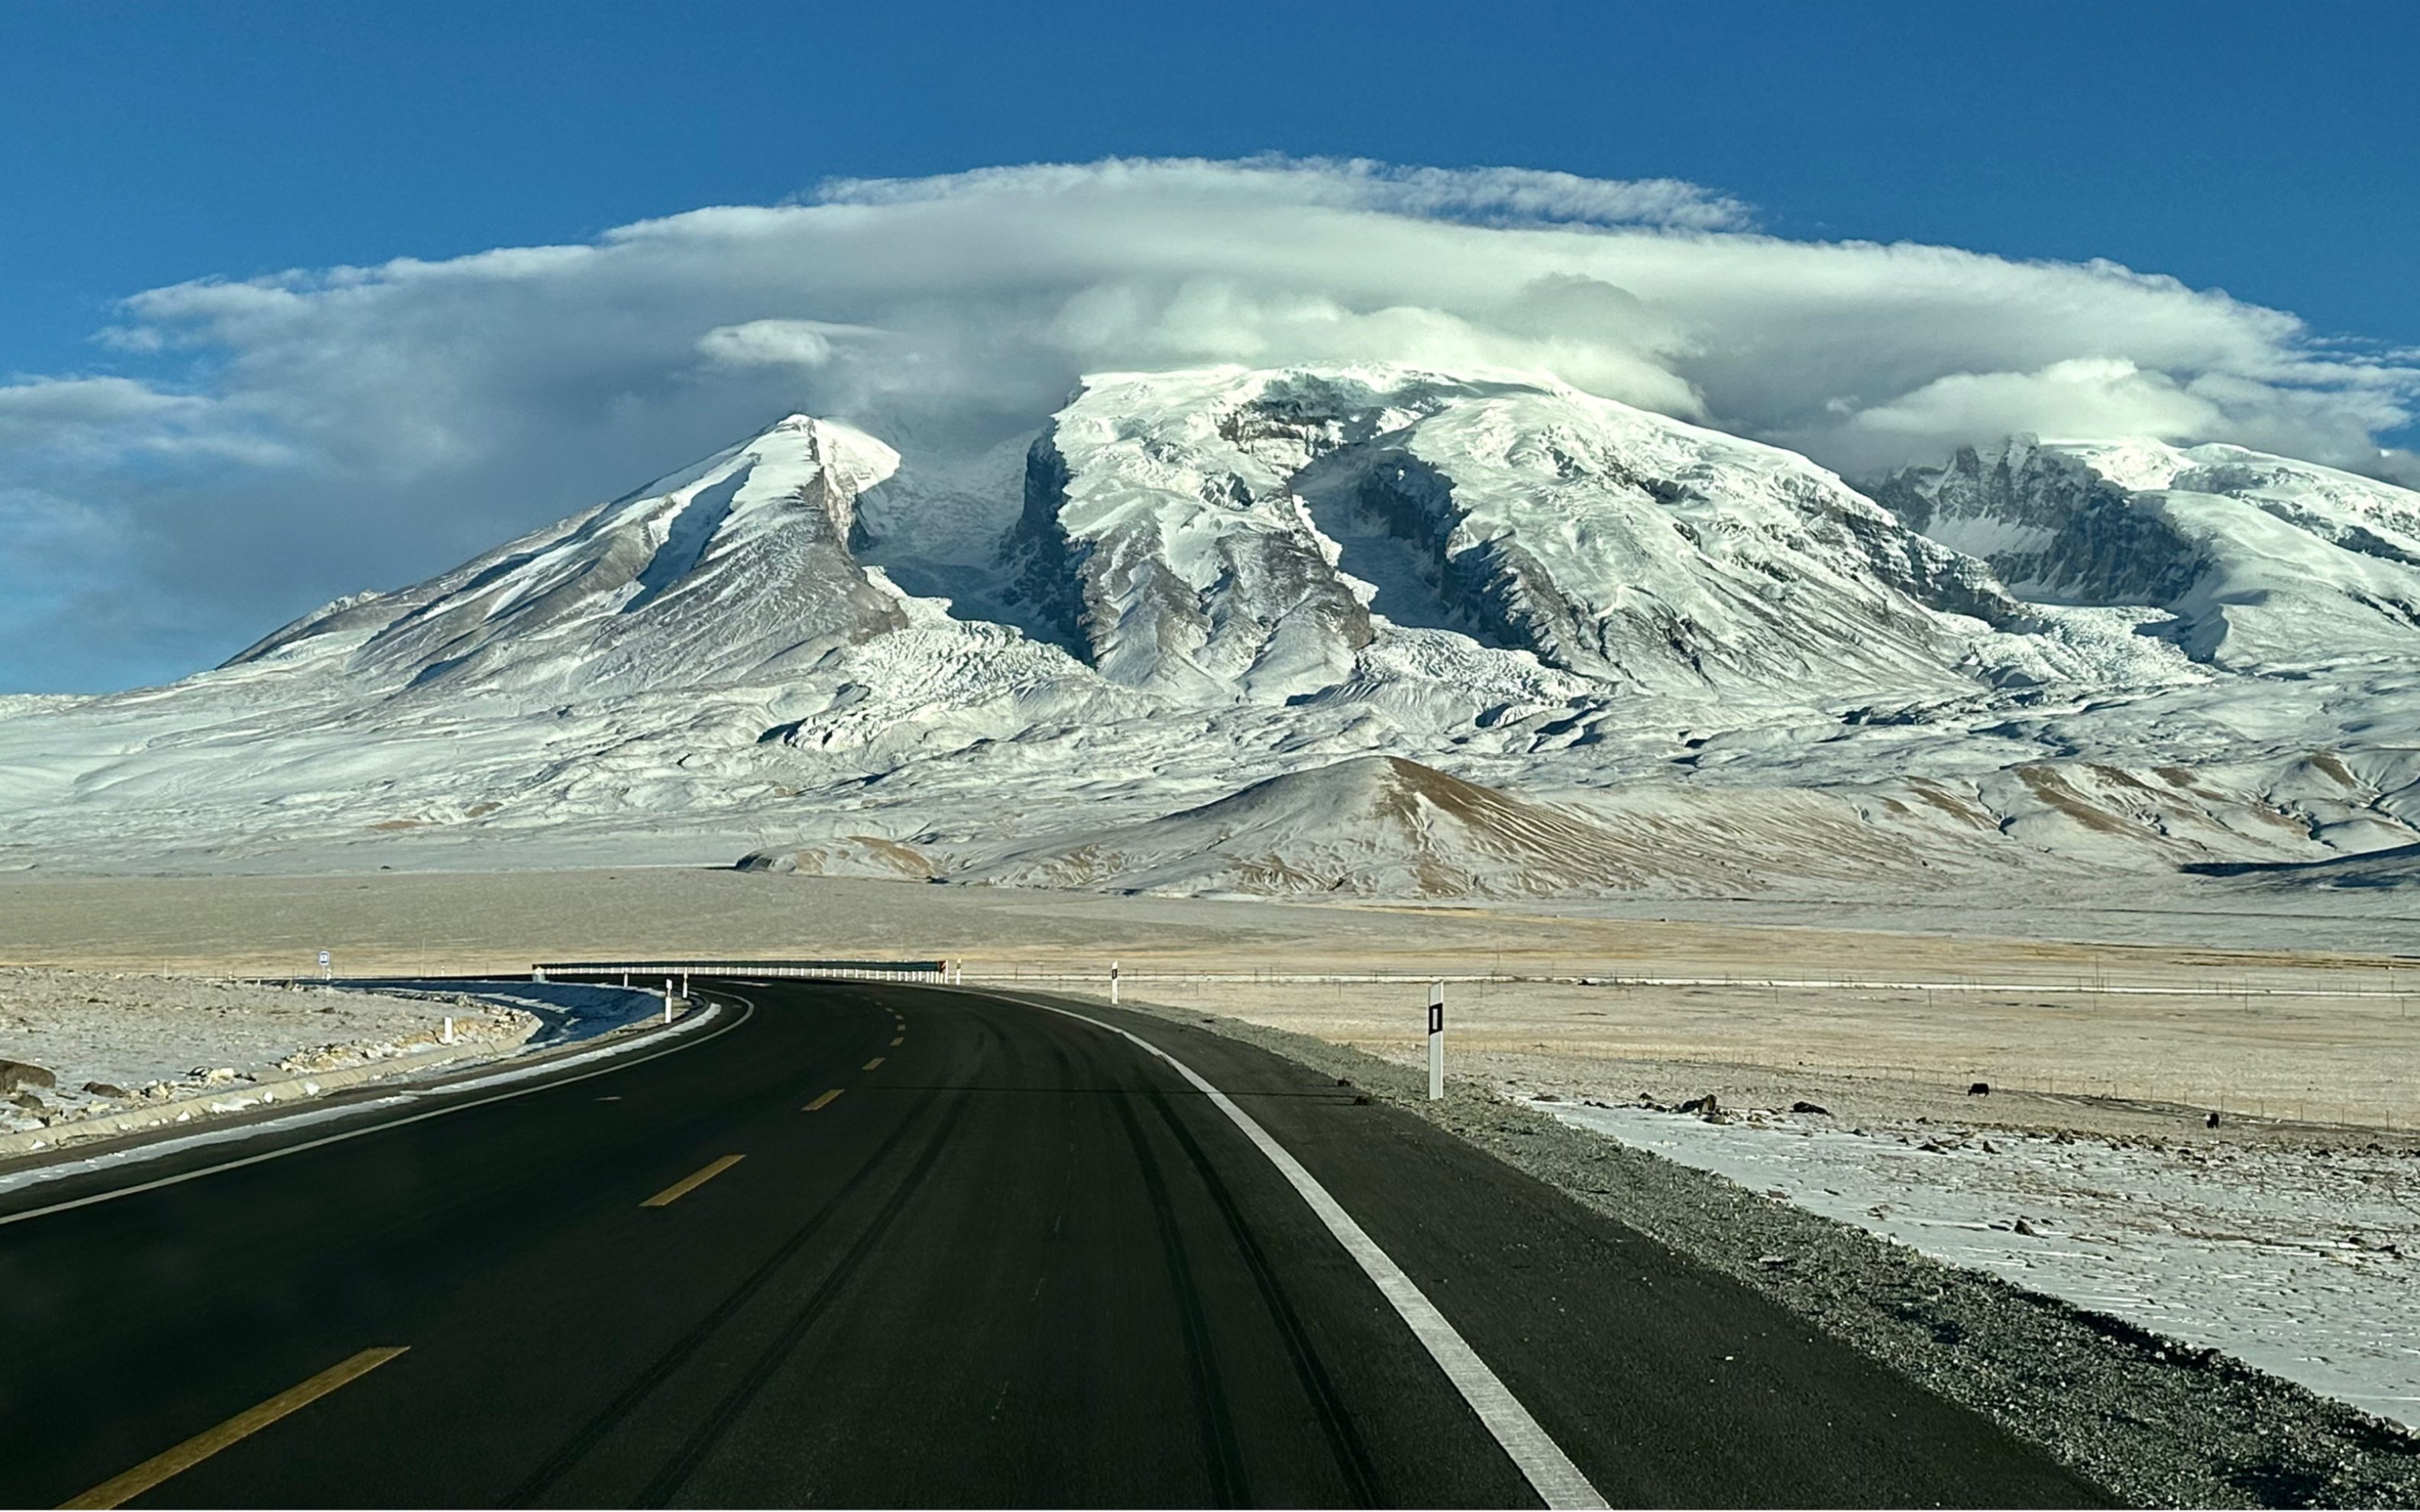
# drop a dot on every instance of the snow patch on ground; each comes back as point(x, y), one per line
point(2300, 1263)
point(105, 1042)
point(77, 1045)
point(115, 1157)
point(567, 1012)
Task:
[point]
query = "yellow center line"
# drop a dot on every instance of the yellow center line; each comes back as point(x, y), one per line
point(687, 1184)
point(896, 1043)
point(149, 1474)
point(823, 1101)
point(875, 1062)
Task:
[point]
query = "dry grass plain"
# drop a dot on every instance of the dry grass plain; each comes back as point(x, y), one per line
point(1870, 1023)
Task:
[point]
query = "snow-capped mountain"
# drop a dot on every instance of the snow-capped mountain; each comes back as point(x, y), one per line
point(1348, 630)
point(737, 570)
point(2268, 564)
point(1214, 532)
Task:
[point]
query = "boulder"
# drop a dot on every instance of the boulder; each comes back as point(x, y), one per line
point(15, 1074)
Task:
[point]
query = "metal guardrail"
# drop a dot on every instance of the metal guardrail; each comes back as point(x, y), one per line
point(936, 971)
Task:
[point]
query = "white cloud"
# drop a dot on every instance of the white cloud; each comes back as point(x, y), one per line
point(2081, 397)
point(1498, 196)
point(54, 412)
point(395, 418)
point(776, 343)
point(110, 420)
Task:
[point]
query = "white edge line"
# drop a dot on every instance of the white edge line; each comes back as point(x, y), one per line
point(315, 1115)
point(1549, 1471)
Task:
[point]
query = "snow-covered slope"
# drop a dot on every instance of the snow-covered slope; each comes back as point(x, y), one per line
point(737, 569)
point(1356, 630)
point(2268, 564)
point(1226, 530)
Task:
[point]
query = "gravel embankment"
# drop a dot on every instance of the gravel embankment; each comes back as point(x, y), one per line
point(2159, 1423)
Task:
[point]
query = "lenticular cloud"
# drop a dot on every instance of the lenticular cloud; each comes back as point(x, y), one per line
point(345, 424)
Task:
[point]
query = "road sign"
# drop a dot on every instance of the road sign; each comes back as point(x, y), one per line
point(327, 970)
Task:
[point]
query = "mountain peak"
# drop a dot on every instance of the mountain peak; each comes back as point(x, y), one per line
point(857, 461)
point(718, 570)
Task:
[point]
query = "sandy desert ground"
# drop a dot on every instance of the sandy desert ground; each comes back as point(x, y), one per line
point(2117, 1038)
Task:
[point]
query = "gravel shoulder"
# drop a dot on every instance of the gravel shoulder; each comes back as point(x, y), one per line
point(2160, 1421)
point(2302, 1262)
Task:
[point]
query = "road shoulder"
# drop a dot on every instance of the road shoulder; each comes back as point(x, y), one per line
point(2156, 1422)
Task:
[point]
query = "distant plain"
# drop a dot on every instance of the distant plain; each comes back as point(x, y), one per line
point(2278, 1038)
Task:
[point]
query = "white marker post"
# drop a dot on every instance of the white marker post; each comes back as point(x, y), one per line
point(447, 1036)
point(1113, 984)
point(1437, 1040)
point(327, 967)
point(668, 1000)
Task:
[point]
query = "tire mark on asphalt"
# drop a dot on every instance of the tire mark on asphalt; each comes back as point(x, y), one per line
point(1336, 1424)
point(676, 1472)
point(1551, 1474)
point(1229, 1485)
point(661, 1370)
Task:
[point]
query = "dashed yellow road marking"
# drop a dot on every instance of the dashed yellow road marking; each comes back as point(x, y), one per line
point(896, 1043)
point(875, 1062)
point(687, 1184)
point(823, 1101)
point(149, 1474)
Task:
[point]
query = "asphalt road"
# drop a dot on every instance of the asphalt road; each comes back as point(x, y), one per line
point(1013, 1261)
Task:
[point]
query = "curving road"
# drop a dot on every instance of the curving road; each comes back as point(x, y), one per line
point(909, 1247)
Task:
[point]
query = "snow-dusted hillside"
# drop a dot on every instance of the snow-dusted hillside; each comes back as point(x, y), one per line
point(1373, 825)
point(1384, 826)
point(1353, 630)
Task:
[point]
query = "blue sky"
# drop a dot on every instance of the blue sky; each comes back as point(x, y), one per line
point(2265, 150)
